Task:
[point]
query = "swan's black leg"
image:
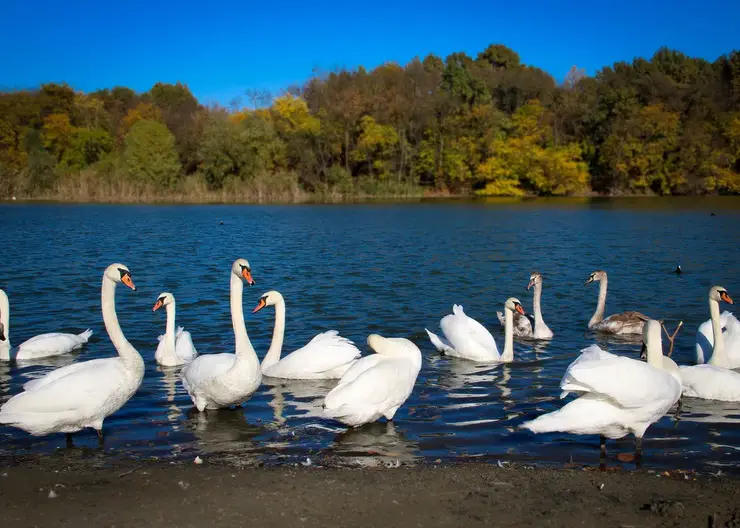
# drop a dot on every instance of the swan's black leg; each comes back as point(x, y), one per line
point(638, 451)
point(602, 445)
point(100, 437)
point(70, 443)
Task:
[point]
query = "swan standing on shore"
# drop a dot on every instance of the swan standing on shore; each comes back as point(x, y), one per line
point(83, 394)
point(726, 326)
point(215, 381)
point(376, 385)
point(468, 339)
point(625, 323)
point(174, 348)
point(618, 395)
point(326, 356)
point(527, 325)
point(40, 346)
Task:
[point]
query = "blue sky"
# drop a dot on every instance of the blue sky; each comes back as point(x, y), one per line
point(222, 48)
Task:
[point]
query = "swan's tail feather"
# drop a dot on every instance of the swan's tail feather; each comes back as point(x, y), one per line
point(547, 423)
point(85, 335)
point(457, 309)
point(440, 345)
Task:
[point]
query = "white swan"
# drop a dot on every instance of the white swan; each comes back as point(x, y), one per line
point(468, 339)
point(625, 323)
point(376, 385)
point(528, 325)
point(215, 381)
point(83, 394)
point(326, 356)
point(618, 395)
point(40, 346)
point(173, 348)
point(725, 325)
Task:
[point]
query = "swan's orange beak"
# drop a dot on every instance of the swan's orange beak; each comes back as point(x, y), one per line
point(157, 305)
point(248, 276)
point(726, 298)
point(260, 305)
point(518, 308)
point(126, 279)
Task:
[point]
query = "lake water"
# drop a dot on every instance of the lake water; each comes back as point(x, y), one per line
point(387, 268)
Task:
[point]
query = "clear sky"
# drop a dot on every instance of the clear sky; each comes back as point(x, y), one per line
point(222, 48)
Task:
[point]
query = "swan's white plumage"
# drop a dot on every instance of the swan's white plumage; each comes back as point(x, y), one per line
point(468, 339)
point(326, 356)
point(41, 346)
point(185, 351)
point(710, 382)
point(83, 394)
point(730, 332)
point(376, 385)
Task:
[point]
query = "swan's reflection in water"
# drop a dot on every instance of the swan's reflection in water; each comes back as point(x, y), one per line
point(374, 443)
point(170, 382)
point(709, 411)
point(297, 398)
point(223, 430)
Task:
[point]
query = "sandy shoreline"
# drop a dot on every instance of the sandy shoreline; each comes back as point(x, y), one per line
point(471, 494)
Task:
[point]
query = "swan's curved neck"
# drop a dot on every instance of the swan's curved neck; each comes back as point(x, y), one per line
point(278, 334)
point(169, 334)
point(5, 320)
point(128, 353)
point(244, 350)
point(536, 308)
point(508, 354)
point(655, 351)
point(601, 305)
point(719, 357)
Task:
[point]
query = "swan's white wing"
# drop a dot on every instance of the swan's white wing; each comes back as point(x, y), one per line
point(206, 367)
point(184, 347)
point(439, 343)
point(376, 390)
point(705, 336)
point(325, 352)
point(629, 382)
point(82, 390)
point(464, 332)
point(710, 382)
point(61, 373)
point(360, 366)
point(52, 344)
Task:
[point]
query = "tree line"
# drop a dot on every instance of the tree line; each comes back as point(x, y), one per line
point(488, 125)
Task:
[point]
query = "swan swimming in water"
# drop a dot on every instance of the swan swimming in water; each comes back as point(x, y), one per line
point(468, 339)
point(617, 395)
point(376, 385)
point(625, 323)
point(727, 326)
point(215, 381)
point(326, 356)
point(40, 346)
point(174, 348)
point(528, 325)
point(80, 395)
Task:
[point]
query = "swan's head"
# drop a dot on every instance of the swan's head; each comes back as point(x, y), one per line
point(119, 273)
point(242, 270)
point(514, 305)
point(718, 293)
point(535, 278)
point(270, 298)
point(651, 336)
point(596, 276)
point(164, 299)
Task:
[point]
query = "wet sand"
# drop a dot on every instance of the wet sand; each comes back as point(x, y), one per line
point(470, 494)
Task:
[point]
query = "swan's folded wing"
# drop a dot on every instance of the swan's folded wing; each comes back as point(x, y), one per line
point(325, 352)
point(628, 382)
point(184, 347)
point(360, 366)
point(205, 367)
point(87, 387)
point(383, 386)
point(459, 329)
point(59, 373)
point(710, 382)
point(55, 342)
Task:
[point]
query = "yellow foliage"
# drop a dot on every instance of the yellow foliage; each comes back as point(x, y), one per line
point(58, 132)
point(142, 111)
point(293, 117)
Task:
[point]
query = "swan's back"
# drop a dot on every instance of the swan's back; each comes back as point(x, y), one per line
point(705, 337)
point(467, 336)
point(320, 357)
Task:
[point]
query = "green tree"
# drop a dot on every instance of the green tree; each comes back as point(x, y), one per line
point(150, 156)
